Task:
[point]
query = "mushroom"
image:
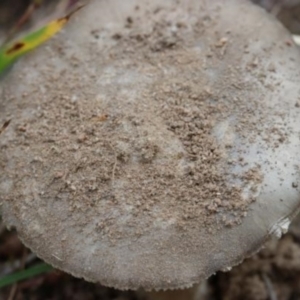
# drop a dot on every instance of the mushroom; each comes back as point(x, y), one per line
point(153, 143)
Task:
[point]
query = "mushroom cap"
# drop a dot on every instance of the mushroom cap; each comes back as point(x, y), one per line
point(153, 143)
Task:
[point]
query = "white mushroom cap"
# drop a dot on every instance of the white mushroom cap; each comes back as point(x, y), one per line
point(153, 143)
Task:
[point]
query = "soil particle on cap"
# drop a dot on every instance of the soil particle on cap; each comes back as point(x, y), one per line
point(253, 175)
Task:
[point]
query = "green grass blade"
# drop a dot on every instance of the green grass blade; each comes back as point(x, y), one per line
point(24, 274)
